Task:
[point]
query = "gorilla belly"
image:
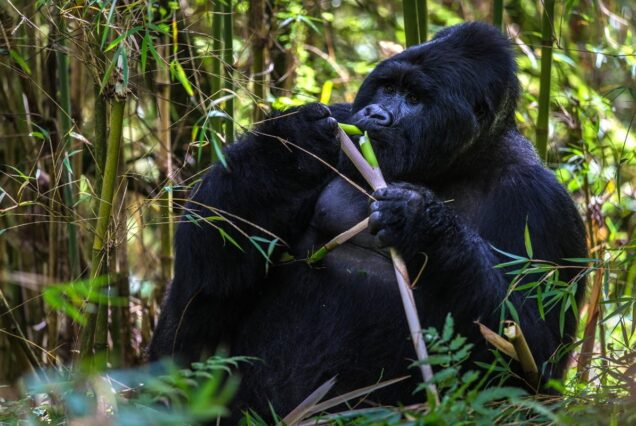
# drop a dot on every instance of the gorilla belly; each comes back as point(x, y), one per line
point(343, 318)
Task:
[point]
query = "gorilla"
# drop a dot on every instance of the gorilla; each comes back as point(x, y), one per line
point(464, 186)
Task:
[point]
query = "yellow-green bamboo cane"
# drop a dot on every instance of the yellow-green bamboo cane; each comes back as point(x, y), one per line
point(217, 26)
point(103, 218)
point(228, 59)
point(546, 71)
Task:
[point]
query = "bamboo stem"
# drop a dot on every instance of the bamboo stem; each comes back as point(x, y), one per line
point(497, 14)
point(64, 114)
point(410, 22)
point(415, 21)
point(514, 333)
point(165, 159)
point(103, 218)
point(338, 240)
point(228, 59)
point(217, 26)
point(376, 180)
point(546, 71)
point(422, 24)
point(585, 356)
point(259, 41)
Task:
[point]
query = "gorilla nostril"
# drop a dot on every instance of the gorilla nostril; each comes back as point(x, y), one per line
point(379, 115)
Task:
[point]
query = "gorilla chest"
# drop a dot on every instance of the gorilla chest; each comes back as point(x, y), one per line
point(340, 207)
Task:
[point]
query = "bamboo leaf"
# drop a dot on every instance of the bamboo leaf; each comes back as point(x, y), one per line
point(177, 71)
point(350, 129)
point(108, 24)
point(120, 38)
point(227, 237)
point(527, 241)
point(20, 61)
point(109, 70)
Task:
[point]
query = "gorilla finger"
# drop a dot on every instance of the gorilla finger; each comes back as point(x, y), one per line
point(331, 125)
point(391, 211)
point(383, 239)
point(375, 222)
point(316, 111)
point(380, 194)
point(394, 193)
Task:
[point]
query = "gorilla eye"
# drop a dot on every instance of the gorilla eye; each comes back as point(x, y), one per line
point(389, 89)
point(411, 98)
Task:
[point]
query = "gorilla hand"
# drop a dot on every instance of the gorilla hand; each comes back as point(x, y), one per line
point(410, 218)
point(310, 127)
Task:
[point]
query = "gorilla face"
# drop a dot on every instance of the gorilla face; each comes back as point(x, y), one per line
point(434, 104)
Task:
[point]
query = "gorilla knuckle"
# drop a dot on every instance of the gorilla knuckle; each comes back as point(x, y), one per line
point(316, 111)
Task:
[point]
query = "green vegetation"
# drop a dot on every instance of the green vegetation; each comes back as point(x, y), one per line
point(111, 110)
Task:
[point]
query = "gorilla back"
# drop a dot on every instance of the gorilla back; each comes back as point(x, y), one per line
point(462, 180)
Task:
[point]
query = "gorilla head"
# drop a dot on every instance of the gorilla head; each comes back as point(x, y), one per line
point(439, 102)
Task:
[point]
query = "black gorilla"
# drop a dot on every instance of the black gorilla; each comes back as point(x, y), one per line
point(462, 180)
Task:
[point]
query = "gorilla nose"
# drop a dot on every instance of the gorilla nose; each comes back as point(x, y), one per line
point(378, 114)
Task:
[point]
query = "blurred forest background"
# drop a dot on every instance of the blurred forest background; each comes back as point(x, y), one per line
point(110, 111)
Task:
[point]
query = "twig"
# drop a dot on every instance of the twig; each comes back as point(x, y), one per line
point(374, 177)
point(338, 240)
point(18, 337)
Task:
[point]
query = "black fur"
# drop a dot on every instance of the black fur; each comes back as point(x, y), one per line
point(462, 179)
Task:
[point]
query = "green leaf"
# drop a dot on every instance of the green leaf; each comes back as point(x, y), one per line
point(20, 61)
point(493, 394)
point(449, 325)
point(317, 255)
point(367, 150)
point(121, 37)
point(527, 241)
point(177, 71)
point(513, 311)
point(109, 69)
point(109, 20)
point(350, 129)
point(510, 255)
point(227, 237)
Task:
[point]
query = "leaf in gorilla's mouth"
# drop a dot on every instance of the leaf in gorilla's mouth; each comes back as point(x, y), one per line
point(350, 129)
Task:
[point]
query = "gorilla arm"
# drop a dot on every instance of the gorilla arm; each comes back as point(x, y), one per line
point(460, 274)
point(268, 185)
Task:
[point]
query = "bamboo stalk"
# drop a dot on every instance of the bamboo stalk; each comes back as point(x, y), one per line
point(585, 356)
point(374, 177)
point(259, 41)
point(415, 21)
point(514, 333)
point(228, 59)
point(497, 341)
point(338, 240)
point(217, 26)
point(410, 22)
point(165, 160)
point(422, 24)
point(497, 14)
point(103, 219)
point(120, 323)
point(546, 71)
point(64, 114)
